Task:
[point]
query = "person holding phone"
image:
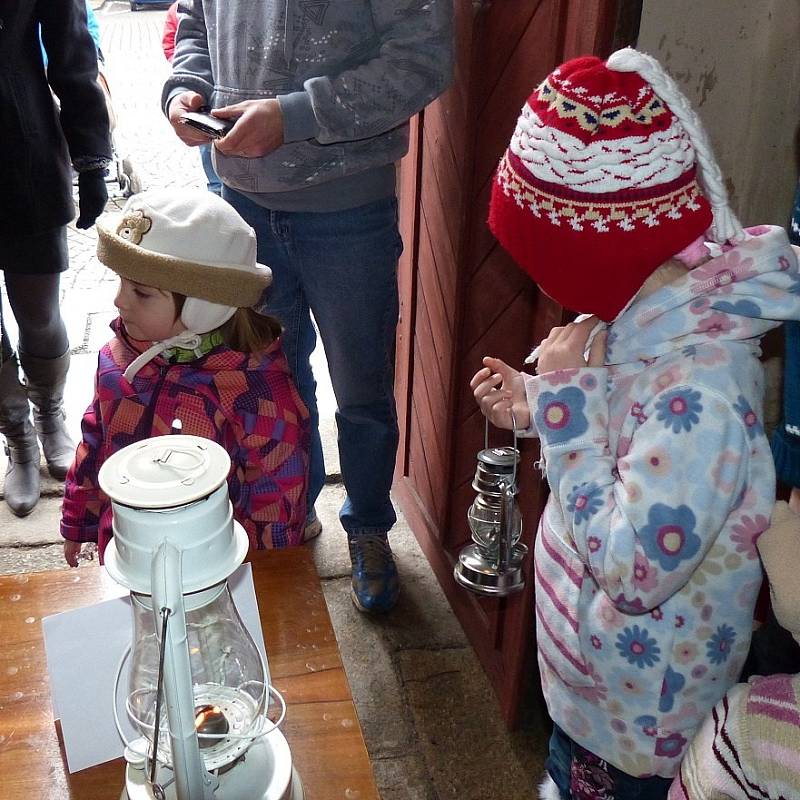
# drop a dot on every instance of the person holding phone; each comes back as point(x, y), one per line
point(321, 97)
point(213, 183)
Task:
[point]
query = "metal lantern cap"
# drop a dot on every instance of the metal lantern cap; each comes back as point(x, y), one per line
point(504, 457)
point(164, 471)
point(171, 487)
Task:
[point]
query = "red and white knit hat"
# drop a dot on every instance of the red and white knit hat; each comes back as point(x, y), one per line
point(609, 174)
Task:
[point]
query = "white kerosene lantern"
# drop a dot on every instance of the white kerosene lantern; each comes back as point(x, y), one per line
point(198, 691)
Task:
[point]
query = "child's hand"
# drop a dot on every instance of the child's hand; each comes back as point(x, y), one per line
point(71, 551)
point(564, 348)
point(794, 500)
point(499, 389)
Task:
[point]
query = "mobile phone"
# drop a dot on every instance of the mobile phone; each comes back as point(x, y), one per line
point(205, 123)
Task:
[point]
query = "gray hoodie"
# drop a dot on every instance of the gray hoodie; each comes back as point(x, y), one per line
point(348, 75)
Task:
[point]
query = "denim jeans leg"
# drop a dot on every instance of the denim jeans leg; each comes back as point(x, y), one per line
point(285, 299)
point(559, 761)
point(349, 265)
point(213, 182)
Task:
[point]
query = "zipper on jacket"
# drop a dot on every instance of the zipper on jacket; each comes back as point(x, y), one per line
point(162, 376)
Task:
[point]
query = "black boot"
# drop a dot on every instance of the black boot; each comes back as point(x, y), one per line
point(45, 379)
point(22, 474)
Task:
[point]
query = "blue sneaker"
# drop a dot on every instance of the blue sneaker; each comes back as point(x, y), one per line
point(375, 585)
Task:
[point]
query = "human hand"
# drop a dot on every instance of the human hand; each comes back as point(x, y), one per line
point(564, 348)
point(92, 196)
point(499, 389)
point(258, 129)
point(178, 106)
point(794, 500)
point(71, 552)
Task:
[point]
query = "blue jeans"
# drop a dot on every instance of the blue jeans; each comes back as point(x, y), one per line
point(580, 775)
point(214, 184)
point(342, 266)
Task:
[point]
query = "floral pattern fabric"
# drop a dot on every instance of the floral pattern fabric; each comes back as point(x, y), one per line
point(661, 479)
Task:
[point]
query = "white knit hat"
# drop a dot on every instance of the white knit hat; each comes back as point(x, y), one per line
point(188, 241)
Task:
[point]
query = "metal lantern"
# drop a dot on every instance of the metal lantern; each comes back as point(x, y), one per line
point(492, 564)
point(198, 690)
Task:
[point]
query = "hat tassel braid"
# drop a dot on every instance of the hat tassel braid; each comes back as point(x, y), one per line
point(725, 227)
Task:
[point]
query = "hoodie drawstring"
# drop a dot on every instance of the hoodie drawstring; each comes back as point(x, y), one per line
point(185, 340)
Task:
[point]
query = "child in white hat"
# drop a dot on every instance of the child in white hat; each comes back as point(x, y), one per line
point(648, 414)
point(749, 746)
point(188, 346)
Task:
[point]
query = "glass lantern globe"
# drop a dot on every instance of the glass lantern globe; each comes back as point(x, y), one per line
point(227, 677)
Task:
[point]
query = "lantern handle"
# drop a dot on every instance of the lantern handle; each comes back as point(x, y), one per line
point(516, 451)
point(514, 430)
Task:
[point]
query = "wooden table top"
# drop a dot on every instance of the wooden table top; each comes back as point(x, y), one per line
point(321, 725)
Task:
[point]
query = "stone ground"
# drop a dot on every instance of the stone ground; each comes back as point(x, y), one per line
point(430, 719)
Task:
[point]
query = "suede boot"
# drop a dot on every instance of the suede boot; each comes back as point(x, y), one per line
point(45, 379)
point(22, 450)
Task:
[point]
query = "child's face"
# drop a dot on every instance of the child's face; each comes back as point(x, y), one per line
point(148, 313)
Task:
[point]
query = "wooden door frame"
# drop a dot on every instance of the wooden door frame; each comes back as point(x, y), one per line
point(599, 28)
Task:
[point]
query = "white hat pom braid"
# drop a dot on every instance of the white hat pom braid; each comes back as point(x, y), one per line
point(725, 227)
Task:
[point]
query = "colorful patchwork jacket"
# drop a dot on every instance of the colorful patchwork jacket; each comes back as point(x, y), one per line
point(246, 403)
point(661, 479)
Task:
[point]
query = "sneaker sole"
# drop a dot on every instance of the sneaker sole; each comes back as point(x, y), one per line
point(371, 611)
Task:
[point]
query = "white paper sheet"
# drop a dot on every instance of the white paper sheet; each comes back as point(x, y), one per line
point(84, 648)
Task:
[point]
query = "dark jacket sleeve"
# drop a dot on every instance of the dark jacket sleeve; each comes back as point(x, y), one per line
point(786, 439)
point(72, 75)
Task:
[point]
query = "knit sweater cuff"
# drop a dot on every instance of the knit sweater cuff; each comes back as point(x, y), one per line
point(75, 533)
point(299, 122)
point(786, 452)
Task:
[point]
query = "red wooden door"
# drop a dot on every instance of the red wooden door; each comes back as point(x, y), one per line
point(463, 298)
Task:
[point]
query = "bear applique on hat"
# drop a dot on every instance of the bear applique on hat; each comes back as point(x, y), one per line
point(608, 175)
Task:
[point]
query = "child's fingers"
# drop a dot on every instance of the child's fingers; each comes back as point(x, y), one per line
point(597, 351)
point(480, 376)
point(500, 414)
point(71, 550)
point(578, 332)
point(499, 366)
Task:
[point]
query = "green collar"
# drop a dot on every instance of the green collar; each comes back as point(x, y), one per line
point(183, 355)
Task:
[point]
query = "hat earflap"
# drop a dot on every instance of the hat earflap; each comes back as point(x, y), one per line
point(201, 316)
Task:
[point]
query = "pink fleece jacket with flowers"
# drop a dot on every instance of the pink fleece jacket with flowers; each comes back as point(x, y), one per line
point(661, 479)
point(245, 402)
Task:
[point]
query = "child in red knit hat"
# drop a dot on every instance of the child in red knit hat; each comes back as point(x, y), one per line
point(648, 412)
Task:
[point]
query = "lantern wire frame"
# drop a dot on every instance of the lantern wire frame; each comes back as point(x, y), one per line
point(256, 731)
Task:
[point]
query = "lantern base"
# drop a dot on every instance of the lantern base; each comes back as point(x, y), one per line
point(474, 572)
point(265, 773)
